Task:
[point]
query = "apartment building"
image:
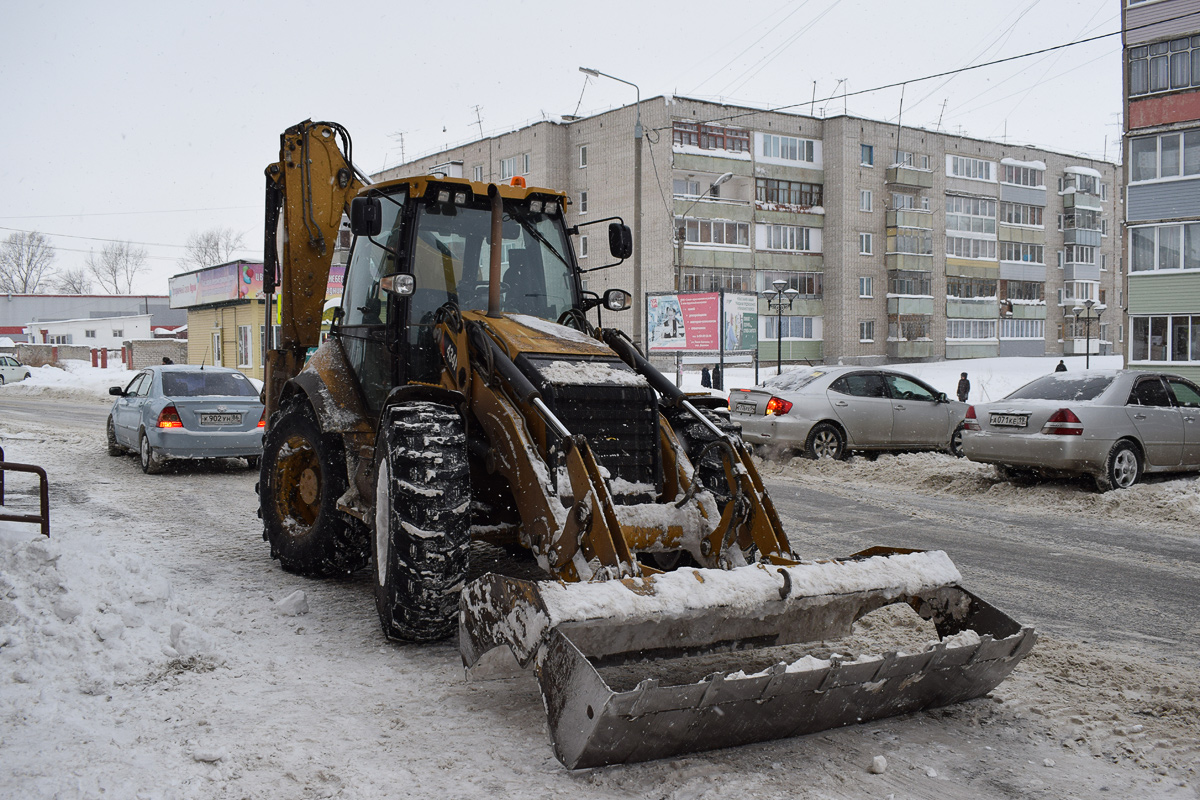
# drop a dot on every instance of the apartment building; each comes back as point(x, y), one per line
point(900, 244)
point(1162, 183)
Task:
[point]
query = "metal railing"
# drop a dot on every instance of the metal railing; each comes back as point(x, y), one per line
point(42, 519)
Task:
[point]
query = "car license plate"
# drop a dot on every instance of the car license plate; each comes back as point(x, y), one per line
point(220, 419)
point(1010, 420)
point(746, 408)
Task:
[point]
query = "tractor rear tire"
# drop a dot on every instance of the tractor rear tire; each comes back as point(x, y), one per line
point(302, 475)
point(422, 520)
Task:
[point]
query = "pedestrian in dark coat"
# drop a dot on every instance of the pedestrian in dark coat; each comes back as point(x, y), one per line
point(716, 377)
point(1061, 366)
point(706, 378)
point(964, 388)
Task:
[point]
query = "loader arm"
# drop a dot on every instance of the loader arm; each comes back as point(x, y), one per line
point(308, 190)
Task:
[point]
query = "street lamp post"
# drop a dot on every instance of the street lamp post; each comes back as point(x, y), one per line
point(681, 232)
point(639, 296)
point(775, 298)
point(1088, 306)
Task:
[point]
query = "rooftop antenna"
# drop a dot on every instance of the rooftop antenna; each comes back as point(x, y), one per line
point(845, 89)
point(942, 113)
point(812, 105)
point(479, 117)
point(898, 117)
point(399, 136)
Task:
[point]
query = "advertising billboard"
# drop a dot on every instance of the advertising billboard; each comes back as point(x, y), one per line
point(688, 322)
point(234, 281)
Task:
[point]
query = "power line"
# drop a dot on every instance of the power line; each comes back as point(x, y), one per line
point(133, 213)
point(951, 71)
point(92, 238)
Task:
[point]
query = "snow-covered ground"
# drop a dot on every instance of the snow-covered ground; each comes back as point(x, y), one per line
point(151, 649)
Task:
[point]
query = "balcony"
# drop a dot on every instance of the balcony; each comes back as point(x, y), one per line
point(1081, 236)
point(1080, 272)
point(903, 304)
point(1080, 200)
point(903, 349)
point(910, 218)
point(908, 262)
point(972, 308)
point(911, 177)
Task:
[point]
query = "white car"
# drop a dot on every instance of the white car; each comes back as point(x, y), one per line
point(12, 370)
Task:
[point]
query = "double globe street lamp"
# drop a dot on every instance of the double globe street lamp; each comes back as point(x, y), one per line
point(775, 302)
point(1086, 310)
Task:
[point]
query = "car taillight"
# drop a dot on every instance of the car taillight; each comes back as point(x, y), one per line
point(262, 420)
point(169, 418)
point(970, 422)
point(777, 405)
point(1063, 423)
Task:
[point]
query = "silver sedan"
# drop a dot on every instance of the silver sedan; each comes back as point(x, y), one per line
point(1114, 425)
point(828, 412)
point(186, 412)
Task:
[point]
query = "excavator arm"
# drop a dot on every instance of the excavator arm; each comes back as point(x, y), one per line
point(308, 190)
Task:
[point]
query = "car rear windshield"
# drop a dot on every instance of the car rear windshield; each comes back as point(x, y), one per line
point(207, 384)
point(791, 381)
point(1061, 387)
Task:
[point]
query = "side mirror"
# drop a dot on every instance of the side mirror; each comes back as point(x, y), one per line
point(116, 391)
point(366, 216)
point(620, 240)
point(941, 397)
point(618, 299)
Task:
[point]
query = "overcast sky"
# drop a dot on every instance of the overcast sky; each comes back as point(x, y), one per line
point(150, 122)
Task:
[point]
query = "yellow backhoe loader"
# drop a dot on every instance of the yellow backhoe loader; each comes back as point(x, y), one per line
point(513, 470)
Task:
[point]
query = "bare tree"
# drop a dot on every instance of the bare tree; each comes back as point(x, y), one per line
point(25, 260)
point(117, 266)
point(211, 247)
point(73, 281)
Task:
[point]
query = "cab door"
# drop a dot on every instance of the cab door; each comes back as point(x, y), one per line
point(1159, 424)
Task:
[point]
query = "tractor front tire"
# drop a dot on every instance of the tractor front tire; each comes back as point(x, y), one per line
point(302, 475)
point(422, 520)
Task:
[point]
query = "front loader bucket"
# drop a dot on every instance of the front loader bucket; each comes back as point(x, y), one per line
point(575, 634)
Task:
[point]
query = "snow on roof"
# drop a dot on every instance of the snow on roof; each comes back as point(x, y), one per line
point(1095, 173)
point(7, 342)
point(1012, 162)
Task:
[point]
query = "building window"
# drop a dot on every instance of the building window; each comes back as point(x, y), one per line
point(972, 168)
point(785, 237)
point(118, 333)
point(868, 155)
point(808, 284)
point(477, 174)
point(913, 241)
point(1104, 192)
point(915, 160)
point(686, 187)
point(583, 246)
point(90, 334)
point(58, 338)
point(908, 328)
point(245, 351)
point(864, 286)
point(789, 327)
point(1155, 247)
point(711, 137)
point(714, 231)
point(1173, 338)
point(865, 244)
point(1022, 328)
point(1167, 155)
point(1086, 219)
point(1019, 251)
point(1080, 254)
point(1023, 290)
point(794, 193)
point(1021, 214)
point(787, 148)
point(1164, 66)
point(216, 350)
point(735, 280)
point(961, 288)
point(961, 247)
point(864, 199)
point(583, 155)
point(583, 202)
point(1104, 227)
point(1024, 176)
point(866, 330)
point(971, 329)
point(970, 214)
point(910, 283)
point(515, 165)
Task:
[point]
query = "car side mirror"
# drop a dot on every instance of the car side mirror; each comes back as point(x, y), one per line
point(366, 216)
point(942, 398)
point(116, 391)
point(620, 240)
